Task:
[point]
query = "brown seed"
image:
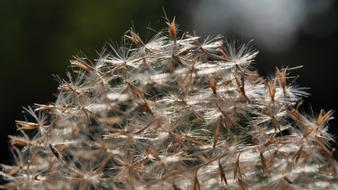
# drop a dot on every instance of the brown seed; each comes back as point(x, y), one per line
point(237, 171)
point(271, 158)
point(282, 78)
point(172, 29)
point(216, 136)
point(153, 152)
point(323, 117)
point(23, 125)
point(56, 153)
point(198, 115)
point(134, 90)
point(263, 163)
point(223, 53)
point(298, 155)
point(41, 107)
point(144, 105)
point(295, 115)
point(307, 131)
point(221, 171)
point(135, 38)
point(212, 83)
point(80, 63)
point(272, 89)
point(19, 142)
point(287, 180)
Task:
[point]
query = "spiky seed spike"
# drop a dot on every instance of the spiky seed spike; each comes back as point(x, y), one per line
point(323, 117)
point(172, 29)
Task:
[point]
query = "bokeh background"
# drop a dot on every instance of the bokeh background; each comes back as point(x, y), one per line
point(38, 37)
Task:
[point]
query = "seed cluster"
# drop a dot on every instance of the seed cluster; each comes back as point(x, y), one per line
point(176, 112)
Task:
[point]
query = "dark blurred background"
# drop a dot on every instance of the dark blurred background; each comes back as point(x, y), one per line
point(38, 37)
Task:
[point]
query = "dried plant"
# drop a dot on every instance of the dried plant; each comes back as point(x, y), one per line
point(176, 112)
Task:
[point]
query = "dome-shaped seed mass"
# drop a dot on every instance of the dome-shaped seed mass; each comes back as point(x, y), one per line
point(176, 112)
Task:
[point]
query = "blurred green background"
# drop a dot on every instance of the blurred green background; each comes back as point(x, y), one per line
point(38, 37)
